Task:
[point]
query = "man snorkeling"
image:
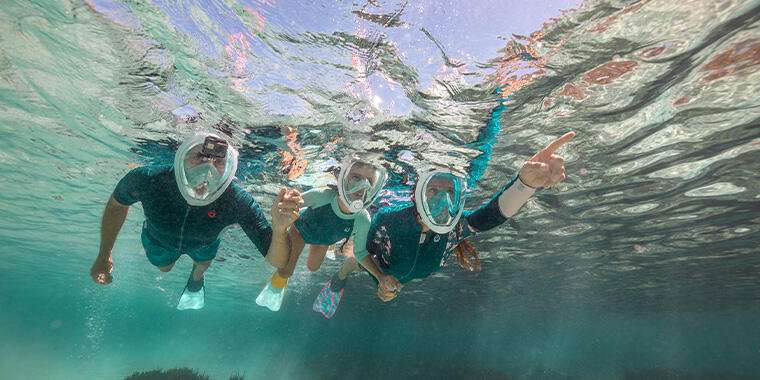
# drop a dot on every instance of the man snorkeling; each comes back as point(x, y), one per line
point(414, 242)
point(187, 206)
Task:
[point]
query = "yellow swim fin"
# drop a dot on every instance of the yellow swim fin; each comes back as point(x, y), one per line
point(273, 293)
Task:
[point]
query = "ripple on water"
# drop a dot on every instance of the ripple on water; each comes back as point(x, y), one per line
point(573, 229)
point(689, 170)
point(716, 189)
point(669, 135)
point(641, 208)
point(642, 162)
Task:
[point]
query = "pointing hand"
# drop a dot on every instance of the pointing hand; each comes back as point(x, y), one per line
point(545, 169)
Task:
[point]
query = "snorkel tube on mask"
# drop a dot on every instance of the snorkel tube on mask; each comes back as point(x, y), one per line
point(359, 183)
point(439, 197)
point(197, 167)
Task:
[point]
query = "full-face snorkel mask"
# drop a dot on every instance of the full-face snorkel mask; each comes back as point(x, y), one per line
point(439, 198)
point(359, 183)
point(204, 166)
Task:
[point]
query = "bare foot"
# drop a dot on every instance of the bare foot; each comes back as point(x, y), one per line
point(351, 265)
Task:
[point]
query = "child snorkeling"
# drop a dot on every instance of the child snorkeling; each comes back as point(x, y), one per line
point(331, 214)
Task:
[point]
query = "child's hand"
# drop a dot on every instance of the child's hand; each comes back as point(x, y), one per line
point(285, 209)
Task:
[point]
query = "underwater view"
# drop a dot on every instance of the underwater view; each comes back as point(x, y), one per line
point(582, 177)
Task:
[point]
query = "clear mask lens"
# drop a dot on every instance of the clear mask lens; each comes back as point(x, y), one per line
point(441, 206)
point(358, 186)
point(360, 181)
point(444, 194)
point(203, 173)
point(204, 167)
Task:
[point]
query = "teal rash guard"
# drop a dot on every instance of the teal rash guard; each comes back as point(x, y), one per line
point(401, 249)
point(323, 223)
point(173, 224)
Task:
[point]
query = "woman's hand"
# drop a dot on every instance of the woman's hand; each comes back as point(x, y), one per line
point(545, 169)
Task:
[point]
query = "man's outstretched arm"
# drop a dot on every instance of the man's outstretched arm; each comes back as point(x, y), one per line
point(113, 218)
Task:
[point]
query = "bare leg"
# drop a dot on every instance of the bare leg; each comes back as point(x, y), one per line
point(199, 269)
point(351, 265)
point(347, 248)
point(166, 268)
point(316, 256)
point(296, 246)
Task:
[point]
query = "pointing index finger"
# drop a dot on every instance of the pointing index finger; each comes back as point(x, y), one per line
point(556, 144)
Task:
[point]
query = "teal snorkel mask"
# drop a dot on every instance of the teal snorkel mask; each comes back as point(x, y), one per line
point(204, 167)
point(359, 183)
point(439, 199)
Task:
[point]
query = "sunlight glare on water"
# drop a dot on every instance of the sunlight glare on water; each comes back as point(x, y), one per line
point(643, 263)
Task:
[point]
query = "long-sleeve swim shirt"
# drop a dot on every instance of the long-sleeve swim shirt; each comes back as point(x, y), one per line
point(323, 223)
point(404, 251)
point(176, 225)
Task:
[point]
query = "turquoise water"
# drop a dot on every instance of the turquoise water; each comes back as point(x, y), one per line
point(642, 264)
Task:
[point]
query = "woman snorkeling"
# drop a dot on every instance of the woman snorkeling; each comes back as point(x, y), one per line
point(331, 214)
point(414, 242)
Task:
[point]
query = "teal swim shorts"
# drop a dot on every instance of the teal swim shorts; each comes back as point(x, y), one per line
point(161, 257)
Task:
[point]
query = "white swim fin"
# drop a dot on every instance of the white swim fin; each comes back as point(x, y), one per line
point(194, 294)
point(271, 297)
point(192, 300)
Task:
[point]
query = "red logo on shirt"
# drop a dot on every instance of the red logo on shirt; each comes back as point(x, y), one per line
point(212, 213)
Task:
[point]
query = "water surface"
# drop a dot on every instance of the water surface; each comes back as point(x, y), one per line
point(644, 258)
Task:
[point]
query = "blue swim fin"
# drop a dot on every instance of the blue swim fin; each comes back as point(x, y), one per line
point(328, 299)
point(271, 297)
point(194, 294)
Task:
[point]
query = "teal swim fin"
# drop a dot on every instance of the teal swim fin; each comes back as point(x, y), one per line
point(194, 294)
point(328, 299)
point(271, 297)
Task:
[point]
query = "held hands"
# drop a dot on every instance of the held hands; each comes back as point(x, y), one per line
point(285, 209)
point(388, 287)
point(101, 270)
point(545, 169)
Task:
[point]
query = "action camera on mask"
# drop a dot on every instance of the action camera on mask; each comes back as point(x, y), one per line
point(214, 147)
